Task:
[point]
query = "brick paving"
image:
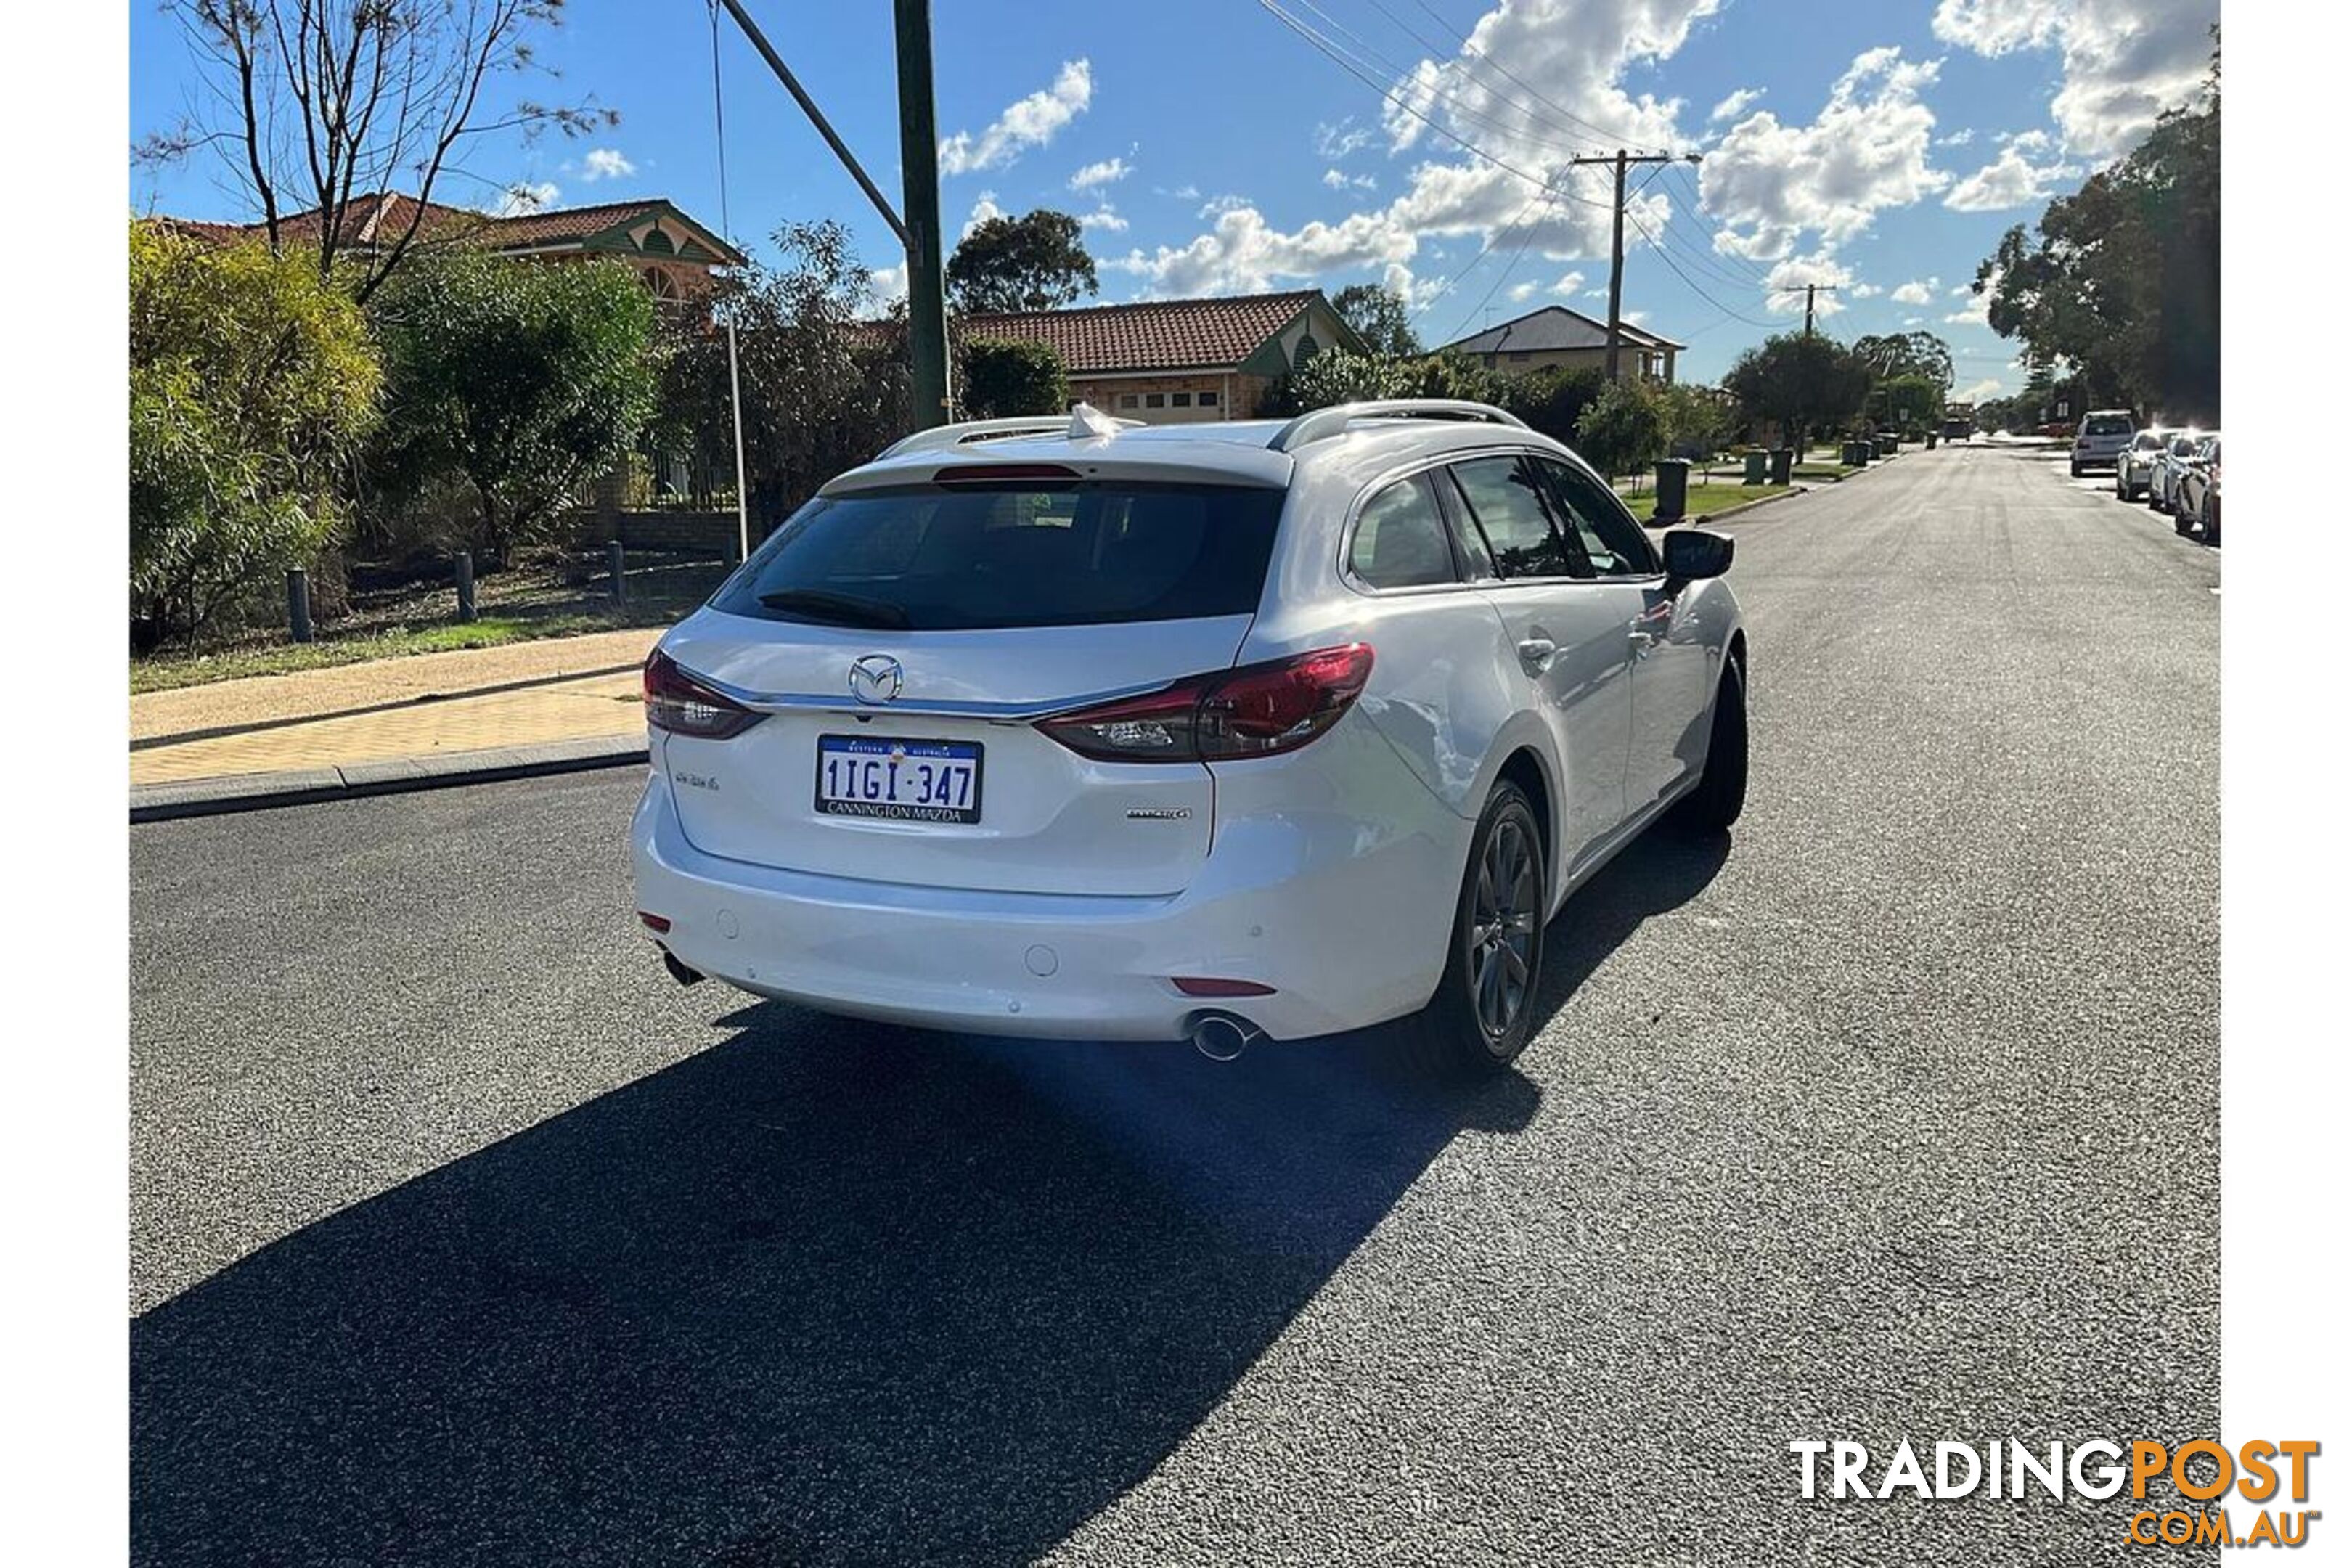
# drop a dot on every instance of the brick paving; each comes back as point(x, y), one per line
point(467, 700)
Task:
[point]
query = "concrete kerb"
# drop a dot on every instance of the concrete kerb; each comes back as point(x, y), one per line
point(399, 775)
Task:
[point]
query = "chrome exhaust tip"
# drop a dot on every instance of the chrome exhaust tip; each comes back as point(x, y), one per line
point(1222, 1038)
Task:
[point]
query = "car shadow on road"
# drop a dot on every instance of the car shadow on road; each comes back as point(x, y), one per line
point(825, 1292)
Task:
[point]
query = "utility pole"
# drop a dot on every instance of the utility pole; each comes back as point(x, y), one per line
point(919, 231)
point(1619, 160)
point(1810, 289)
point(919, 153)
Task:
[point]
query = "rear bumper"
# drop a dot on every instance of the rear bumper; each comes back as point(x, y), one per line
point(1346, 917)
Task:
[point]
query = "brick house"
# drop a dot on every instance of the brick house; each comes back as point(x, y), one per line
point(1167, 362)
point(670, 251)
point(1555, 335)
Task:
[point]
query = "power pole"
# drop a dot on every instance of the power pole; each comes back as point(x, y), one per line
point(1619, 160)
point(919, 153)
point(1809, 288)
point(919, 231)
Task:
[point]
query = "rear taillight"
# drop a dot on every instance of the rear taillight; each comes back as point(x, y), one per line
point(1257, 711)
point(682, 705)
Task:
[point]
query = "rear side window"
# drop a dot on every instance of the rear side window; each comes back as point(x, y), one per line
point(1611, 540)
point(2108, 425)
point(1506, 507)
point(1051, 554)
point(1399, 540)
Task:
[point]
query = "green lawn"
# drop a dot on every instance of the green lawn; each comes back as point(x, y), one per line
point(514, 606)
point(1701, 500)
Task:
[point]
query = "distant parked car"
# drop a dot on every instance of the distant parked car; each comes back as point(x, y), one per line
point(2101, 439)
point(2136, 465)
point(2178, 453)
point(2197, 493)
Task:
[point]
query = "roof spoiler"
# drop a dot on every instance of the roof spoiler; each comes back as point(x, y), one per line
point(1325, 423)
point(941, 438)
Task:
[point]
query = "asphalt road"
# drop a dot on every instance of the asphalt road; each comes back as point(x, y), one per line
point(460, 1234)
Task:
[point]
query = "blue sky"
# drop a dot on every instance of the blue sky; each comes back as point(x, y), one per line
point(1215, 147)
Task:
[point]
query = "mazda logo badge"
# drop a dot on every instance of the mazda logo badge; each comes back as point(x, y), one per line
point(876, 679)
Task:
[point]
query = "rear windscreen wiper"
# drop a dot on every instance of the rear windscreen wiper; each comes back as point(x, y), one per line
point(838, 609)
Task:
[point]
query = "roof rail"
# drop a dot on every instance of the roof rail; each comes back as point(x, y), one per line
point(941, 436)
point(1325, 423)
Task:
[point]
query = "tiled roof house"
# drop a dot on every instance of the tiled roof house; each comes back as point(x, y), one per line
point(1169, 360)
point(671, 251)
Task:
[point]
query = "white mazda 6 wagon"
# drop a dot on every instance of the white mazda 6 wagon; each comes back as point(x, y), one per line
point(1084, 729)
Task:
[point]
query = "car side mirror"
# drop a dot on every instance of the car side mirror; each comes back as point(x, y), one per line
point(1694, 553)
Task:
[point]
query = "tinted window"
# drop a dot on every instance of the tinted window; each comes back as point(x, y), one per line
point(1509, 512)
point(1611, 540)
point(1073, 553)
point(2108, 425)
point(1400, 541)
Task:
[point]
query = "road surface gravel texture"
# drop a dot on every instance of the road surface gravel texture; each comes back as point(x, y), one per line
point(460, 1234)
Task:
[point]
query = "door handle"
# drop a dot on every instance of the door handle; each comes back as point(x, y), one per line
point(1643, 642)
point(1536, 653)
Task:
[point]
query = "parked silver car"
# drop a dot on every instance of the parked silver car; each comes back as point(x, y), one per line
point(2164, 478)
point(2136, 465)
point(2197, 500)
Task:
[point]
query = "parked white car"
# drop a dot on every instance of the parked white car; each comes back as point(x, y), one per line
point(1208, 731)
point(2100, 440)
point(2136, 465)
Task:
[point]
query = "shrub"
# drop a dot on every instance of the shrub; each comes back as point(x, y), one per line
point(253, 381)
point(1000, 378)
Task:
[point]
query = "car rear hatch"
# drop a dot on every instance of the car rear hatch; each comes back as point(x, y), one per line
point(901, 641)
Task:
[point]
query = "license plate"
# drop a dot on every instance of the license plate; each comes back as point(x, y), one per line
point(898, 781)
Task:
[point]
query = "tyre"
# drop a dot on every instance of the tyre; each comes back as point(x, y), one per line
point(1722, 789)
point(2074, 470)
point(1483, 1013)
point(2182, 521)
point(2209, 521)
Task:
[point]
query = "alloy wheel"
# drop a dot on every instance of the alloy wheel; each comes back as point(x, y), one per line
point(1502, 935)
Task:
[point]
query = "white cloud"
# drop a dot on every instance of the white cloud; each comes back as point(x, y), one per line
point(1568, 284)
point(1977, 391)
point(1104, 217)
point(1735, 106)
point(1918, 292)
point(1788, 278)
point(983, 210)
point(1972, 313)
point(2125, 61)
point(888, 283)
point(1337, 141)
point(525, 198)
point(1109, 171)
point(1959, 138)
point(1033, 121)
point(605, 164)
point(1338, 180)
point(1771, 183)
point(1863, 292)
point(1572, 52)
point(2011, 180)
point(1522, 292)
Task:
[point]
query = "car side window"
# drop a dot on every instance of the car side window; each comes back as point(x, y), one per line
point(1610, 539)
point(1399, 540)
point(1503, 495)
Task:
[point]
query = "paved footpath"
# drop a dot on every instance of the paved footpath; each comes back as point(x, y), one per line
point(435, 705)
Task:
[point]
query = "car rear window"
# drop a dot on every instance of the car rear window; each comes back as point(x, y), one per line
point(2108, 425)
point(1028, 553)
